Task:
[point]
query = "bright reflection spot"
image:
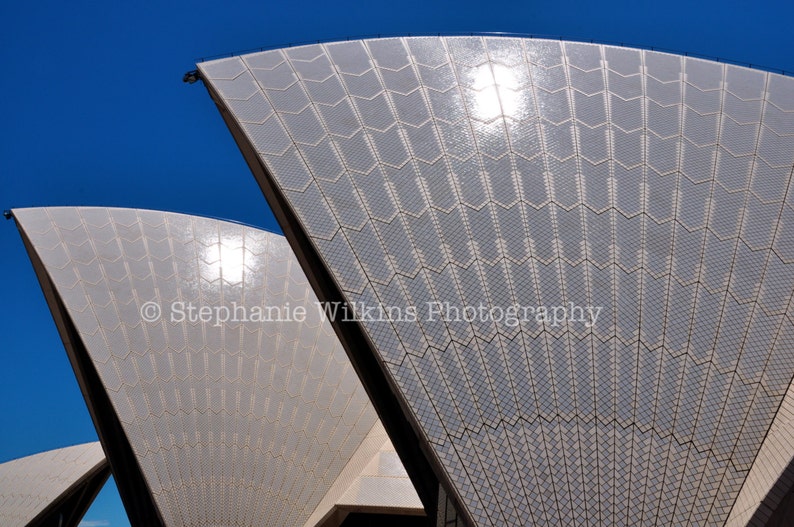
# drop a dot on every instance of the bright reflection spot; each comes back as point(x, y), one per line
point(225, 260)
point(496, 95)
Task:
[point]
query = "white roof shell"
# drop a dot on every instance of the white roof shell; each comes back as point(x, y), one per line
point(509, 171)
point(251, 420)
point(33, 488)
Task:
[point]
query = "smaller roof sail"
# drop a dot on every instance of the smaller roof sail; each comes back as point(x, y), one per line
point(215, 380)
point(52, 488)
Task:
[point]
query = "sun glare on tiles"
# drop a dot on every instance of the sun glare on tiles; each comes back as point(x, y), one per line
point(225, 260)
point(495, 86)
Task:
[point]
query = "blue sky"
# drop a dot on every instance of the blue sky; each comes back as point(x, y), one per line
point(94, 112)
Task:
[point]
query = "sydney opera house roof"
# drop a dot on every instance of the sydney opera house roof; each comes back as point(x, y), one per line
point(253, 416)
point(629, 208)
point(54, 488)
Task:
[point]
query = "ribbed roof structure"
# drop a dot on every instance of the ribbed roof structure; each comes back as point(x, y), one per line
point(377, 486)
point(643, 199)
point(53, 488)
point(250, 416)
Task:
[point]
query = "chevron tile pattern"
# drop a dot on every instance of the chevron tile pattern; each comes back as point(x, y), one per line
point(29, 485)
point(247, 421)
point(516, 172)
